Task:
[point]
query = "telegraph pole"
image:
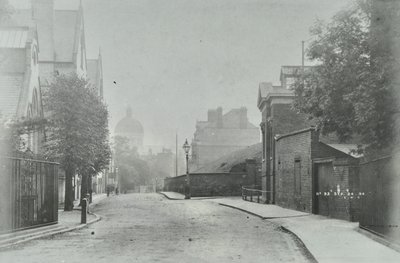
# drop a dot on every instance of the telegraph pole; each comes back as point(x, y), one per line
point(176, 154)
point(302, 62)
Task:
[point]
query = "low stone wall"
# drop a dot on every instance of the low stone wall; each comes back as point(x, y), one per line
point(210, 184)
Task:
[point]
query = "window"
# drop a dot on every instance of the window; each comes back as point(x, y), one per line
point(297, 176)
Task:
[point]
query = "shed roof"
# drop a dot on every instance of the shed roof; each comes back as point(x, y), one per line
point(347, 149)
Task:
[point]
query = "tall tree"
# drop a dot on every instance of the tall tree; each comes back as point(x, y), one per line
point(349, 91)
point(77, 130)
point(132, 170)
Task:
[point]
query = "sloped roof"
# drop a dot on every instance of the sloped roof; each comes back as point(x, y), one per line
point(266, 90)
point(65, 26)
point(347, 149)
point(10, 90)
point(227, 162)
point(15, 37)
point(64, 34)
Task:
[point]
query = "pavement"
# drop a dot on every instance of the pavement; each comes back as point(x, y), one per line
point(67, 221)
point(147, 227)
point(328, 240)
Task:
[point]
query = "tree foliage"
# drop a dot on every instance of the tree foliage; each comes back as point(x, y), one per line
point(77, 128)
point(349, 92)
point(132, 170)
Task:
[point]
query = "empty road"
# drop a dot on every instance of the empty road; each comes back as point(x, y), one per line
point(151, 228)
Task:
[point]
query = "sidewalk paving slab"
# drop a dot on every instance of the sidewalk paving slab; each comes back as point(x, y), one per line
point(173, 195)
point(67, 221)
point(328, 240)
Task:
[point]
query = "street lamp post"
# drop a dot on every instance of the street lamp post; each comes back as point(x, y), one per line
point(186, 148)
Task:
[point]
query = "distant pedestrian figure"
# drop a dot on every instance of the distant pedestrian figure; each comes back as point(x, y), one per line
point(116, 191)
point(108, 191)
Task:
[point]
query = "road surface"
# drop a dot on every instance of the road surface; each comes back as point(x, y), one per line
point(151, 228)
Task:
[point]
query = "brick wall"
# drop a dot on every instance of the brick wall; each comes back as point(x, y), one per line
point(286, 120)
point(295, 155)
point(289, 150)
point(210, 184)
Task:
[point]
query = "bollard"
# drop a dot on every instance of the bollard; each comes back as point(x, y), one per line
point(84, 211)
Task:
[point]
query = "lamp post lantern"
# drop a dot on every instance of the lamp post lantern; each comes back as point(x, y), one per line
point(186, 148)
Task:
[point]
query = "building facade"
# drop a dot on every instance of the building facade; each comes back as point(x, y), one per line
point(277, 117)
point(221, 134)
point(19, 82)
point(28, 186)
point(61, 34)
point(316, 177)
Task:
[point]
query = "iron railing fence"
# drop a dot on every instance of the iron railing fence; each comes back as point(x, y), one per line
point(253, 193)
point(32, 192)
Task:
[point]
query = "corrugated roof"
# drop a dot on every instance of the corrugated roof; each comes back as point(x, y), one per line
point(13, 37)
point(64, 34)
point(10, 89)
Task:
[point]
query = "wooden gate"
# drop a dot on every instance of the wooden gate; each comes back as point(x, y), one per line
point(324, 185)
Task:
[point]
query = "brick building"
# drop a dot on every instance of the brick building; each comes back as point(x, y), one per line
point(222, 134)
point(316, 177)
point(277, 117)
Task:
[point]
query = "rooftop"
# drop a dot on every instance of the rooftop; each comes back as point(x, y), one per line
point(350, 149)
point(13, 37)
point(10, 89)
point(227, 162)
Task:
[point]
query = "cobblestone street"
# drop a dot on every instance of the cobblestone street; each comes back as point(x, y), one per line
point(151, 228)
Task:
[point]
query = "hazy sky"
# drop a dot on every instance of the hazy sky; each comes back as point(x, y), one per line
point(174, 59)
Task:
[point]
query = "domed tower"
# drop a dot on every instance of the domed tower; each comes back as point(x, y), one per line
point(132, 129)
